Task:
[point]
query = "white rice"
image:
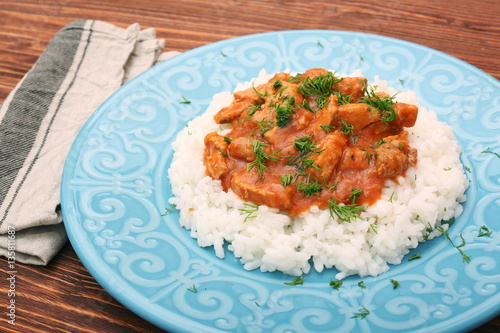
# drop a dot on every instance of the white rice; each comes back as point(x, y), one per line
point(272, 241)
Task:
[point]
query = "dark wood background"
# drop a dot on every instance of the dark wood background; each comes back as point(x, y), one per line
point(63, 297)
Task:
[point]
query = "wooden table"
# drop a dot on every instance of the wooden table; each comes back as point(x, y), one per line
point(63, 297)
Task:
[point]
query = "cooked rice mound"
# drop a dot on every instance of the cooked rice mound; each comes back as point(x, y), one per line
point(268, 239)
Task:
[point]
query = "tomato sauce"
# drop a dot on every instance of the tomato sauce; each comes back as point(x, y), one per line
point(309, 140)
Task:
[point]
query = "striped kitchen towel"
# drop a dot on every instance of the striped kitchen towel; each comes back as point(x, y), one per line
point(83, 64)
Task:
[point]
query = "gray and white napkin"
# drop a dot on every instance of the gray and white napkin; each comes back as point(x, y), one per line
point(83, 64)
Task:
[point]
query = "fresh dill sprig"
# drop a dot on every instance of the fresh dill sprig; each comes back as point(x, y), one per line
point(368, 155)
point(168, 210)
point(296, 281)
point(305, 146)
point(309, 189)
point(346, 128)
point(327, 128)
point(277, 84)
point(265, 125)
point(345, 213)
point(416, 256)
point(363, 312)
point(378, 143)
point(249, 212)
point(288, 179)
point(484, 231)
point(355, 193)
point(185, 101)
point(465, 257)
point(261, 157)
point(489, 151)
point(284, 114)
point(336, 284)
point(361, 285)
point(193, 289)
point(320, 86)
point(395, 283)
point(384, 105)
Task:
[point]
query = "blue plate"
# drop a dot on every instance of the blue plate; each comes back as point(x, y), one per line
point(115, 192)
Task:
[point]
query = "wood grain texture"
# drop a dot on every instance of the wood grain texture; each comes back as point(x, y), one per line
point(63, 297)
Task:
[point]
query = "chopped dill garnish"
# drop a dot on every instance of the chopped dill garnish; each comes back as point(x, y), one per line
point(392, 196)
point(467, 169)
point(363, 312)
point(193, 290)
point(345, 213)
point(416, 256)
point(277, 84)
point(368, 155)
point(327, 128)
point(342, 99)
point(346, 128)
point(320, 45)
point(488, 151)
point(284, 114)
point(336, 284)
point(374, 228)
point(305, 144)
point(384, 105)
point(465, 257)
point(484, 231)
point(259, 94)
point(447, 169)
point(168, 210)
point(252, 109)
point(222, 152)
point(295, 282)
point(287, 179)
point(261, 157)
point(223, 54)
point(361, 285)
point(249, 211)
point(402, 82)
point(265, 125)
point(378, 143)
point(296, 78)
point(309, 189)
point(305, 147)
point(227, 140)
point(305, 105)
point(320, 87)
point(355, 193)
point(185, 101)
point(395, 283)
point(449, 222)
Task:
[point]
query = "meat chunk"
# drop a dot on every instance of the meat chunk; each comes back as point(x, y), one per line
point(330, 150)
point(324, 118)
point(353, 87)
point(358, 115)
point(215, 157)
point(247, 185)
point(241, 148)
point(355, 159)
point(393, 157)
point(406, 115)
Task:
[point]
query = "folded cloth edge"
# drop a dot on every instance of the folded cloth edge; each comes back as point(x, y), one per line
point(38, 242)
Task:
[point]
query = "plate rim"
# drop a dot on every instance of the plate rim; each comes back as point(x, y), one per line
point(78, 241)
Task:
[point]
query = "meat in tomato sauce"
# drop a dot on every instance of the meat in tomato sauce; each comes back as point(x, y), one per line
point(309, 140)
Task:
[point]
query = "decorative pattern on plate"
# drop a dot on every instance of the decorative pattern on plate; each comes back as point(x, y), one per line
point(115, 191)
